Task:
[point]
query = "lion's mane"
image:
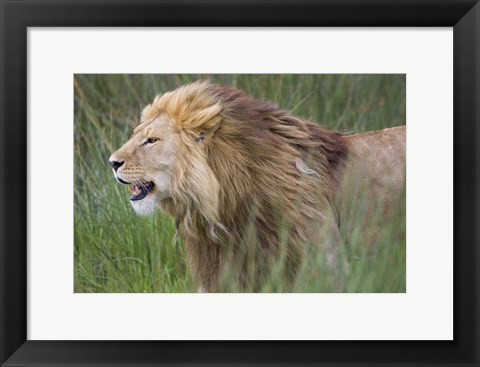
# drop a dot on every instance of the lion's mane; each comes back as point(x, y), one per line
point(249, 182)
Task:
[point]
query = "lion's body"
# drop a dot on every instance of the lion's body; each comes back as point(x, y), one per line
point(248, 182)
point(372, 180)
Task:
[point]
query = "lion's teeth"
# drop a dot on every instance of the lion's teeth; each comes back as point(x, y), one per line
point(135, 190)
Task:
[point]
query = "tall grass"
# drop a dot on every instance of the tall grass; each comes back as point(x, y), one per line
point(118, 251)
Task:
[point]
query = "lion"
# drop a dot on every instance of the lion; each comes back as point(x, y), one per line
point(248, 183)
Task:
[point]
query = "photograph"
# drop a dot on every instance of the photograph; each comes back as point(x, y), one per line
point(240, 183)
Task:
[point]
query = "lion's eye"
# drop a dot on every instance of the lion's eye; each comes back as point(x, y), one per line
point(149, 141)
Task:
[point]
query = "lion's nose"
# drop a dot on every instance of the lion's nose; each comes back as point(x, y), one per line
point(116, 165)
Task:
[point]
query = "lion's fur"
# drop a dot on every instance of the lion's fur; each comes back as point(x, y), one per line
point(252, 182)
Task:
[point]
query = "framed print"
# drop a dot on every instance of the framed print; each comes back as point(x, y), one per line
point(280, 132)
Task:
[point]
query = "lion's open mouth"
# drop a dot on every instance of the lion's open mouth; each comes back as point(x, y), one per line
point(139, 191)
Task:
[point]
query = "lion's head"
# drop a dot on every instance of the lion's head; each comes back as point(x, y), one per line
point(145, 162)
point(165, 161)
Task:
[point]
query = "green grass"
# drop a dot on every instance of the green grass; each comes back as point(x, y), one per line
point(118, 251)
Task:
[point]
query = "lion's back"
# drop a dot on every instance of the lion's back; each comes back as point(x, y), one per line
point(378, 156)
point(373, 178)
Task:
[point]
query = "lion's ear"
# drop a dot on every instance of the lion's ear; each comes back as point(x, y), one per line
point(207, 132)
point(200, 136)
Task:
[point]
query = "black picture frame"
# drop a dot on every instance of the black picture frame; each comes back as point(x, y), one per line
point(18, 15)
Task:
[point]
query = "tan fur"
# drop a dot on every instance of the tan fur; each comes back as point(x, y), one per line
point(249, 182)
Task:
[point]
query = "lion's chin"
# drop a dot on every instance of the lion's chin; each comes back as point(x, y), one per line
point(146, 206)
